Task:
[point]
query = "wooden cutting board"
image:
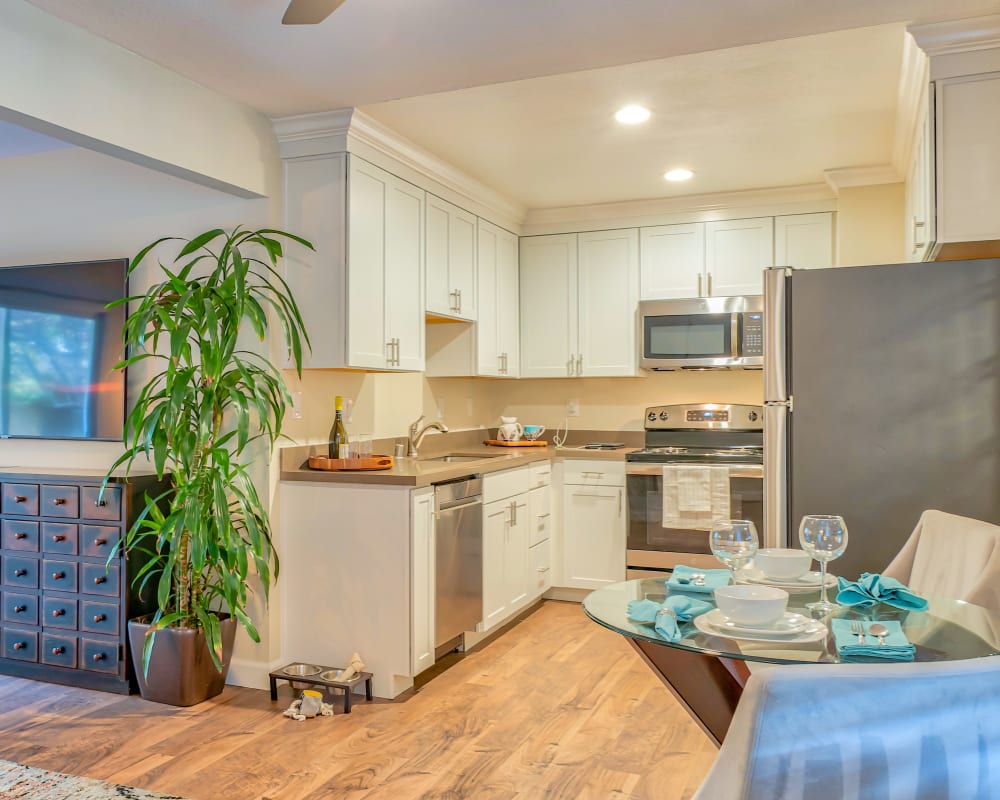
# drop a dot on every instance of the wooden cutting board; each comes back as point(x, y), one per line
point(333, 464)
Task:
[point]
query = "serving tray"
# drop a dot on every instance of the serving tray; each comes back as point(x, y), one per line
point(518, 443)
point(334, 464)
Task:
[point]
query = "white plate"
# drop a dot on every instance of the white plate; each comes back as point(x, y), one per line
point(714, 623)
point(790, 624)
point(807, 583)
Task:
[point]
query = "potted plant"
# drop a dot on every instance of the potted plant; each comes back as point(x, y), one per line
point(197, 419)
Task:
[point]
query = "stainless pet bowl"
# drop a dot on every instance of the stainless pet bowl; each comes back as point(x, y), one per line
point(331, 675)
point(302, 670)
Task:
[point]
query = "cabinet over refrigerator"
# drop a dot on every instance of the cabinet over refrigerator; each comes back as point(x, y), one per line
point(882, 399)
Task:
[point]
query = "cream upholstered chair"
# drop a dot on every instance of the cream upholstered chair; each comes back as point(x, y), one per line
point(914, 731)
point(951, 556)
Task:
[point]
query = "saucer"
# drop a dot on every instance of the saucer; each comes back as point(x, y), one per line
point(805, 583)
point(791, 628)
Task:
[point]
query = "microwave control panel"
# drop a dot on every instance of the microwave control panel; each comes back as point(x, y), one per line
point(752, 334)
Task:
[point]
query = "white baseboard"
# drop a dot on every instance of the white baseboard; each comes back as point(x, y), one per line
point(251, 674)
point(566, 593)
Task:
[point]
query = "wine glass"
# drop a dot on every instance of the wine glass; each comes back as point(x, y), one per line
point(824, 538)
point(734, 542)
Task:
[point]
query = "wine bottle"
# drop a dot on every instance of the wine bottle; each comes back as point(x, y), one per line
point(338, 434)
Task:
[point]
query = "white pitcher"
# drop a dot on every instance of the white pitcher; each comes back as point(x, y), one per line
point(510, 429)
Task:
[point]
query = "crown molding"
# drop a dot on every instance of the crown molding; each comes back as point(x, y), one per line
point(348, 129)
point(911, 97)
point(665, 206)
point(846, 177)
point(958, 36)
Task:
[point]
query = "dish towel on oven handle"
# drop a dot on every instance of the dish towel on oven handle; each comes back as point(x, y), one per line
point(665, 618)
point(694, 497)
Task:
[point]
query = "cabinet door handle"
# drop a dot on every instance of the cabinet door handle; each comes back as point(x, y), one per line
point(100, 542)
point(59, 501)
point(99, 617)
point(20, 645)
point(58, 538)
point(58, 612)
point(58, 576)
point(459, 292)
point(699, 285)
point(99, 580)
point(619, 502)
point(20, 536)
point(709, 292)
point(58, 650)
point(579, 364)
point(542, 569)
point(19, 573)
point(100, 503)
point(918, 245)
point(99, 656)
point(569, 366)
point(20, 498)
point(20, 609)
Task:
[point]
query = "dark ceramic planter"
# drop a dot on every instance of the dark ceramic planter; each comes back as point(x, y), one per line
point(181, 672)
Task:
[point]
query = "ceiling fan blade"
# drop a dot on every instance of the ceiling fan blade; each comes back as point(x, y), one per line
point(309, 12)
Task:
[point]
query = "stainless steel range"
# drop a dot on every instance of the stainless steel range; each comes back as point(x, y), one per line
point(724, 447)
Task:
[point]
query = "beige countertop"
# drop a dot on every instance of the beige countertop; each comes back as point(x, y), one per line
point(424, 471)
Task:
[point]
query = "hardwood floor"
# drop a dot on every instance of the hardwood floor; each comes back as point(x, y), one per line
point(557, 707)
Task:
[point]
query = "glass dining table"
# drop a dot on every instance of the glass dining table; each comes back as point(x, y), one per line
point(706, 669)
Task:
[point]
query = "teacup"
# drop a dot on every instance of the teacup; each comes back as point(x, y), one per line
point(782, 563)
point(510, 429)
point(532, 432)
point(751, 606)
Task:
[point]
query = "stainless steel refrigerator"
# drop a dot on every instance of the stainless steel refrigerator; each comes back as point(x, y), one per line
point(882, 399)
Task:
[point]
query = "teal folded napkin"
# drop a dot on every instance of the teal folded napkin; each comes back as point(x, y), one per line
point(665, 618)
point(683, 577)
point(872, 588)
point(896, 648)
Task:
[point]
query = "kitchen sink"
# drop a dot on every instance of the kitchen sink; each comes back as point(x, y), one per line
point(463, 457)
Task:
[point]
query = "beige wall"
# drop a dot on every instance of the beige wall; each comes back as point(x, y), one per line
point(870, 224)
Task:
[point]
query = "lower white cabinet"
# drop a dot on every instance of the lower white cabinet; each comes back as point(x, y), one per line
point(539, 541)
point(593, 521)
point(505, 559)
point(422, 565)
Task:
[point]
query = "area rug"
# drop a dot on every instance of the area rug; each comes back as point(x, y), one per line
point(30, 783)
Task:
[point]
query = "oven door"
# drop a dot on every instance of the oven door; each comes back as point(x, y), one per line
point(651, 548)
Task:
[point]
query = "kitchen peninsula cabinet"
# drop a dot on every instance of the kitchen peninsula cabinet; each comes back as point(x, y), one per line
point(579, 294)
point(422, 588)
point(450, 257)
point(361, 292)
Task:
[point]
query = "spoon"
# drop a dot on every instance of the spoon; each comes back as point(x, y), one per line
point(880, 631)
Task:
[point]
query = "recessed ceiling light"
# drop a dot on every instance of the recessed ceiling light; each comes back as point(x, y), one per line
point(632, 115)
point(679, 175)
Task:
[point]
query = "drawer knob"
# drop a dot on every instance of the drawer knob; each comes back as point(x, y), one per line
point(20, 645)
point(58, 576)
point(58, 612)
point(99, 656)
point(20, 536)
point(100, 542)
point(100, 503)
point(57, 650)
point(20, 498)
point(58, 538)
point(100, 579)
point(99, 617)
point(59, 501)
point(20, 573)
point(20, 609)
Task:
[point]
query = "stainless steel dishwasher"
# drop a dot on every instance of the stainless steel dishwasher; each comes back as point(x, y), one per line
point(458, 529)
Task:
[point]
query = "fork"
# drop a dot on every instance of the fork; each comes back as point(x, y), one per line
point(857, 629)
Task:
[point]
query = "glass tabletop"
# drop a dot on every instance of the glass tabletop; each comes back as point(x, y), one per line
point(949, 630)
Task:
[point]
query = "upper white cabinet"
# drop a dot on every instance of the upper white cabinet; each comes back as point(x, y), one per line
point(578, 302)
point(967, 112)
point(921, 229)
point(706, 259)
point(804, 240)
point(450, 247)
point(497, 331)
point(361, 291)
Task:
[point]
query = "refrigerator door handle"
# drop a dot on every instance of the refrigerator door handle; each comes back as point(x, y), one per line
point(775, 341)
point(776, 533)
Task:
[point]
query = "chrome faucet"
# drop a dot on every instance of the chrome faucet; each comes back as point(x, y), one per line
point(417, 436)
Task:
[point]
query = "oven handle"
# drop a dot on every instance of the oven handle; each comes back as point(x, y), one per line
point(735, 470)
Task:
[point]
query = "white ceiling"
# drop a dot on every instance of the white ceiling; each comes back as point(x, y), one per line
point(17, 141)
point(519, 93)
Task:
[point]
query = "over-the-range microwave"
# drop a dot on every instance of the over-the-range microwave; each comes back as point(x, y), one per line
point(702, 333)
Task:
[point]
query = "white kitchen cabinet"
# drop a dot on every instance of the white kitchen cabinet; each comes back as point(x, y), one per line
point(497, 330)
point(385, 258)
point(672, 261)
point(579, 294)
point(539, 541)
point(450, 260)
point(422, 568)
point(804, 240)
point(705, 259)
point(361, 291)
point(505, 559)
point(593, 521)
point(736, 254)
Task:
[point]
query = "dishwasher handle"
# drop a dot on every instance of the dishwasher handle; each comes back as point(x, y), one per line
point(455, 505)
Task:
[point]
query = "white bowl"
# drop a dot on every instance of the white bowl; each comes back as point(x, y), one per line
point(782, 564)
point(752, 606)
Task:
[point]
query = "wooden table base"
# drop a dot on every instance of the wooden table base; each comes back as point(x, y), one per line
point(709, 687)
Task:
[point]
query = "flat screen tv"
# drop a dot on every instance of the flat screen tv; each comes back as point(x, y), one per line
point(58, 347)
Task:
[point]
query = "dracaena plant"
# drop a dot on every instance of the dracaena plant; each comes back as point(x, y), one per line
point(199, 419)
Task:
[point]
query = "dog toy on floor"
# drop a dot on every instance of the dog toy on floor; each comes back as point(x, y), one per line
point(309, 705)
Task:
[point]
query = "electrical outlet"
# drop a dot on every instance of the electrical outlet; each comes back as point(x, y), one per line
point(348, 410)
point(573, 408)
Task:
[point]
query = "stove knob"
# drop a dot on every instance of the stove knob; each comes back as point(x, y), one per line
point(664, 415)
point(651, 416)
point(753, 416)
